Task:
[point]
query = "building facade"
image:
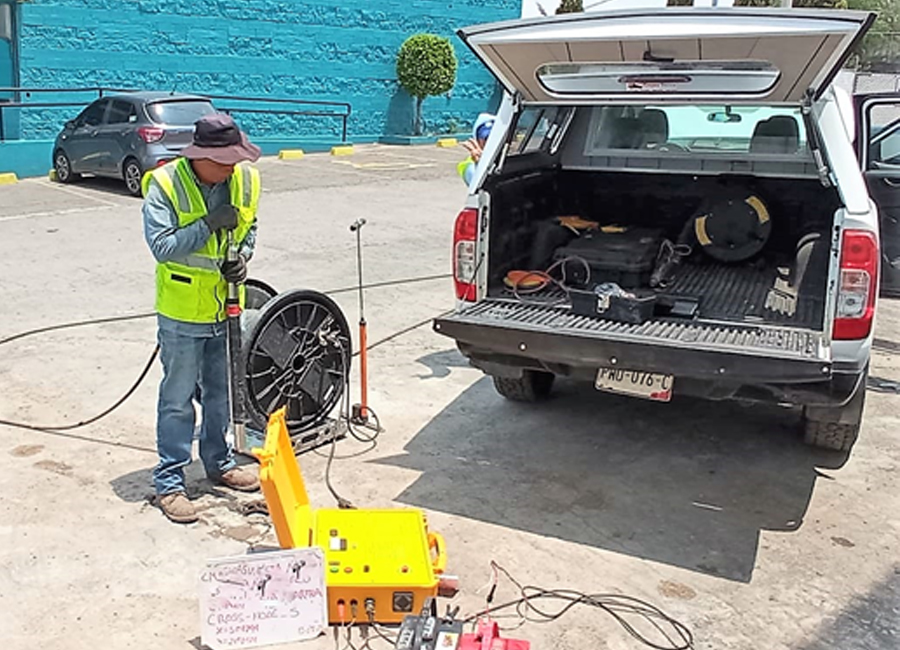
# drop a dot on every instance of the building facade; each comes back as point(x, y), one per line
point(334, 50)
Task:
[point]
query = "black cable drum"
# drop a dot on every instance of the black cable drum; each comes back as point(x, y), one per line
point(733, 226)
point(292, 349)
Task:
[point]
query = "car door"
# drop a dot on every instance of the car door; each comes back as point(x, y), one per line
point(879, 152)
point(81, 143)
point(116, 133)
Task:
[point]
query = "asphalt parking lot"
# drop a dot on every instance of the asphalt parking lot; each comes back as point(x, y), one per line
point(717, 513)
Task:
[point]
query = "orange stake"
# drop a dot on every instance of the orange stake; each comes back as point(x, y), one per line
point(363, 371)
point(361, 410)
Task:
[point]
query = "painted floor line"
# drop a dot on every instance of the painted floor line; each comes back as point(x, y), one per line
point(82, 195)
point(56, 213)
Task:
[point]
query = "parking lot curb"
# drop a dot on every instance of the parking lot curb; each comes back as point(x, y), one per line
point(446, 143)
point(8, 178)
point(343, 150)
point(290, 154)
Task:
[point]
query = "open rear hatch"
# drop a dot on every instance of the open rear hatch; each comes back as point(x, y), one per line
point(774, 56)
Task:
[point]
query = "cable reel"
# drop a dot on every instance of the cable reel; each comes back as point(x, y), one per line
point(734, 226)
point(296, 351)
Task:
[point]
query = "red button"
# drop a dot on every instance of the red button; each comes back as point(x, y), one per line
point(348, 569)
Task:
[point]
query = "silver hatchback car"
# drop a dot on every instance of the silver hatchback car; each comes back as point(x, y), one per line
point(124, 135)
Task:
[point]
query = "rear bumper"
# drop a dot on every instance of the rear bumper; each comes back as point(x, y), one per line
point(720, 368)
point(153, 155)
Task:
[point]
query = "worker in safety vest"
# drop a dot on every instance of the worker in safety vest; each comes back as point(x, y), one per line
point(189, 205)
point(475, 146)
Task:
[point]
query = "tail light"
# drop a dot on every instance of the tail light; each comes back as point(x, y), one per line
point(464, 234)
point(150, 134)
point(858, 286)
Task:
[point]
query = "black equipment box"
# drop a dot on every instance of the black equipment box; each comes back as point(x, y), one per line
point(626, 258)
point(634, 310)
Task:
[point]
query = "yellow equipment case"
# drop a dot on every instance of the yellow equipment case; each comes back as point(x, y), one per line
point(380, 564)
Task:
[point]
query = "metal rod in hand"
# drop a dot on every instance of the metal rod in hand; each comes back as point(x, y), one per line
point(235, 375)
point(363, 411)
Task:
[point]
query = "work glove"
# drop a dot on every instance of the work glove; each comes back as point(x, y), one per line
point(222, 218)
point(235, 272)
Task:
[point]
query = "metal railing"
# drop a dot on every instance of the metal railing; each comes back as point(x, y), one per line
point(302, 107)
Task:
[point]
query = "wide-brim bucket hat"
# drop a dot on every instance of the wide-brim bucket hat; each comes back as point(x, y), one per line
point(218, 138)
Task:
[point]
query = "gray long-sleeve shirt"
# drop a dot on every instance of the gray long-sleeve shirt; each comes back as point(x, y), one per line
point(168, 241)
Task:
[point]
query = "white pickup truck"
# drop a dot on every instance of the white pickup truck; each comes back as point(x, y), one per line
point(679, 202)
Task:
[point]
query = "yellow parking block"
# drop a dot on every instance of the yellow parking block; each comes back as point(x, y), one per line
point(446, 143)
point(8, 178)
point(290, 154)
point(343, 150)
point(52, 175)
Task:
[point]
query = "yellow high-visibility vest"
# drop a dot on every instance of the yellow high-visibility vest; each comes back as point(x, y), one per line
point(192, 289)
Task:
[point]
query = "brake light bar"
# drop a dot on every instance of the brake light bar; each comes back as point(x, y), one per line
point(465, 233)
point(858, 288)
point(150, 134)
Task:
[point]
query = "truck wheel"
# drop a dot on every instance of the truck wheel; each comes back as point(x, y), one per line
point(532, 386)
point(836, 428)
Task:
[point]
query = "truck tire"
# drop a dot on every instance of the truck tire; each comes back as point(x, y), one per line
point(532, 386)
point(836, 428)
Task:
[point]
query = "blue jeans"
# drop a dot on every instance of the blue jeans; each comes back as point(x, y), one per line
point(191, 358)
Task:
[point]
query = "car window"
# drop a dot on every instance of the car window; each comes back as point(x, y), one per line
point(179, 113)
point(885, 132)
point(707, 129)
point(93, 114)
point(121, 112)
point(531, 128)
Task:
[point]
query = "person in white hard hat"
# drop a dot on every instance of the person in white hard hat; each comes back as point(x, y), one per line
point(475, 146)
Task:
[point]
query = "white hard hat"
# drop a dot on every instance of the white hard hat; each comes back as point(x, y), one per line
point(483, 120)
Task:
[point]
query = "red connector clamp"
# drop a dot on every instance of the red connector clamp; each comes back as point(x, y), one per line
point(487, 637)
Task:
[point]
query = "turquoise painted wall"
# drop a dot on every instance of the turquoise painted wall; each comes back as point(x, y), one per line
point(341, 50)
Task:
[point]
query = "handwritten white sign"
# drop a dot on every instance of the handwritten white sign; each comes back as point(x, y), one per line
point(262, 599)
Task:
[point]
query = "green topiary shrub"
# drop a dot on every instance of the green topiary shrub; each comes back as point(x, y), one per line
point(570, 6)
point(426, 66)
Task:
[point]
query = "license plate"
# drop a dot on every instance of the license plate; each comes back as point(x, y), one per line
point(649, 385)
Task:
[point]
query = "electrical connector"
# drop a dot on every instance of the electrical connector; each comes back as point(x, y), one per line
point(354, 609)
point(370, 608)
point(341, 611)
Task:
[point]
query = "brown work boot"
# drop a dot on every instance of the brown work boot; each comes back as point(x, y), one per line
point(177, 507)
point(240, 479)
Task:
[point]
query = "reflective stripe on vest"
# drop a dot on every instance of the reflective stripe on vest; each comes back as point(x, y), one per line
point(191, 288)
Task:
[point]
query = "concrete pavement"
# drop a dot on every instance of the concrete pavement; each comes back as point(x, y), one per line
point(715, 512)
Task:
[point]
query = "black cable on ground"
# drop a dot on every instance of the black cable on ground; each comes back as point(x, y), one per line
point(346, 417)
point(116, 319)
point(405, 330)
point(627, 611)
point(362, 437)
point(390, 283)
point(62, 326)
point(60, 429)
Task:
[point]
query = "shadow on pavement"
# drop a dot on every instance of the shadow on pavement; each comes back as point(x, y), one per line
point(107, 185)
point(869, 623)
point(441, 363)
point(689, 484)
point(137, 486)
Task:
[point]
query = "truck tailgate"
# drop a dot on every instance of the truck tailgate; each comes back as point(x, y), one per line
point(700, 349)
